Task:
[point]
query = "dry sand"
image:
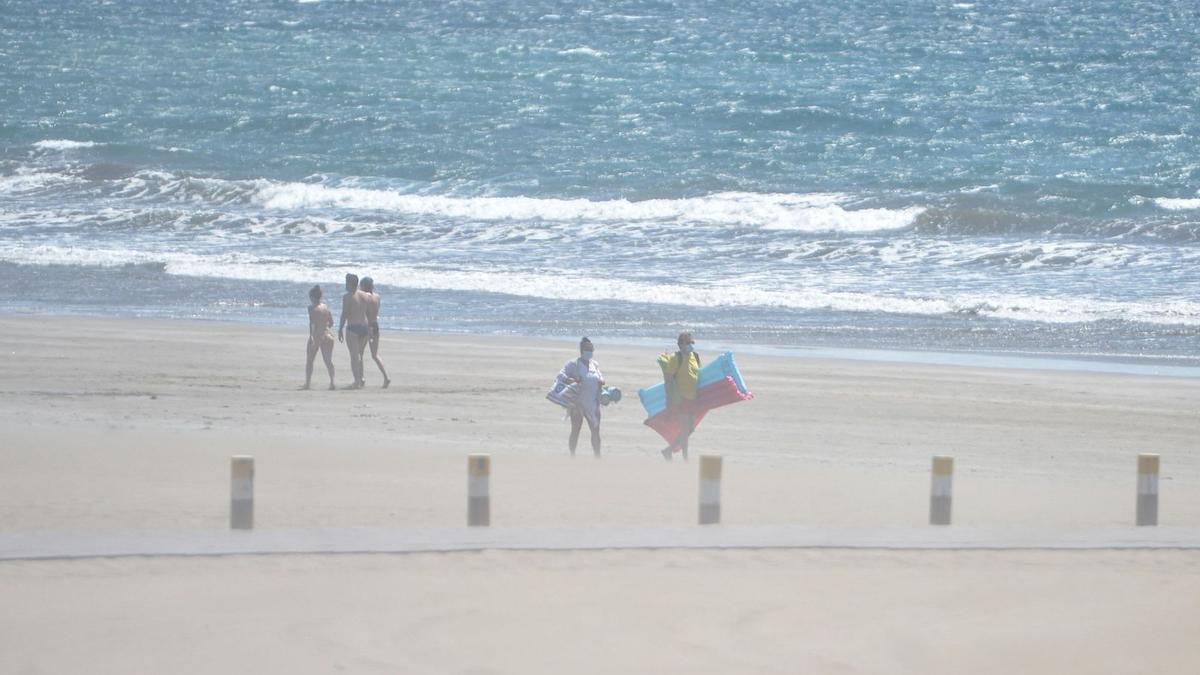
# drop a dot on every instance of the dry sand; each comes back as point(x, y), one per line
point(127, 426)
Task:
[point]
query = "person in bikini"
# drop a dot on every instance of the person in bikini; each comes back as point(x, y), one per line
point(353, 328)
point(368, 286)
point(320, 335)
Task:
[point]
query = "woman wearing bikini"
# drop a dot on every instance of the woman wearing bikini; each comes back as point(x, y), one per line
point(320, 335)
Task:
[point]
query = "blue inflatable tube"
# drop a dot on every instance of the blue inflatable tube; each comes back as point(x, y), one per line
point(654, 398)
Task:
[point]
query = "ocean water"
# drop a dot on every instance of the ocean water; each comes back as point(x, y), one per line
point(1010, 177)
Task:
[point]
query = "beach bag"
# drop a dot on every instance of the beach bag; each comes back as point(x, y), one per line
point(564, 395)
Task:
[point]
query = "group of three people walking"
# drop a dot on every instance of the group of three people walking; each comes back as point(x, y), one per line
point(358, 327)
point(681, 376)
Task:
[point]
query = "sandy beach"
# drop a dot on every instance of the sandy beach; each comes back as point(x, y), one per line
point(127, 426)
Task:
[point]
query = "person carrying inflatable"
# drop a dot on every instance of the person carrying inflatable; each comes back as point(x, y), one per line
point(585, 372)
point(681, 376)
point(675, 407)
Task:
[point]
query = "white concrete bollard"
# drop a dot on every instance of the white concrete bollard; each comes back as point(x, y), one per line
point(1147, 494)
point(941, 491)
point(710, 489)
point(479, 499)
point(241, 493)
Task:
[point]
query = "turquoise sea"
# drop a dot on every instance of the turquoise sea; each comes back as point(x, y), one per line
point(1017, 177)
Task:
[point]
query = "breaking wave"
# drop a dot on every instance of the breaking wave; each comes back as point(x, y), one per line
point(570, 285)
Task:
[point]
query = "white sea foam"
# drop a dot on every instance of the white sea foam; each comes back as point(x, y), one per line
point(838, 219)
point(60, 144)
point(584, 51)
point(1145, 137)
point(1171, 204)
point(805, 213)
point(817, 212)
point(746, 292)
point(28, 180)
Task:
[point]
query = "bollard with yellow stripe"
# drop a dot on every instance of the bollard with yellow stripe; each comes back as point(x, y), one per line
point(241, 492)
point(479, 500)
point(710, 489)
point(1147, 491)
point(941, 491)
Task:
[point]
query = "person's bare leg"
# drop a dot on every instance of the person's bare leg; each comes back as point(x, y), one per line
point(595, 429)
point(375, 356)
point(308, 366)
point(327, 354)
point(362, 362)
point(687, 423)
point(576, 425)
point(354, 346)
point(690, 422)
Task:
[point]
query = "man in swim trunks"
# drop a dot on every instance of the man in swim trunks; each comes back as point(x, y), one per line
point(368, 286)
point(353, 328)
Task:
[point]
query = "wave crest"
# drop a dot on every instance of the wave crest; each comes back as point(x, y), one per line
point(570, 286)
point(805, 213)
point(63, 144)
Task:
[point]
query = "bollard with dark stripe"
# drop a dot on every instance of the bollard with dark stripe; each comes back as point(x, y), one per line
point(941, 491)
point(241, 489)
point(479, 501)
point(710, 489)
point(1147, 493)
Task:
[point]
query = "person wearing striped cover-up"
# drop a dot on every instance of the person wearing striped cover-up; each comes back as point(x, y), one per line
point(585, 371)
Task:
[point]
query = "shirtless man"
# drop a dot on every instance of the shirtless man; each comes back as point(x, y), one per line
point(368, 287)
point(354, 319)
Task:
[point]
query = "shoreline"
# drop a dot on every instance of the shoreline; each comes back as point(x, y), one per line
point(1128, 364)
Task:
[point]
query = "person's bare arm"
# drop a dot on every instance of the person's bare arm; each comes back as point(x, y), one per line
point(345, 315)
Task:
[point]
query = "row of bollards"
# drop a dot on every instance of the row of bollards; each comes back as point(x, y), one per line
point(941, 491)
point(479, 500)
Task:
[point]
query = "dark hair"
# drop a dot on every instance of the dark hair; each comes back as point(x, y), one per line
point(367, 283)
point(585, 341)
point(314, 293)
point(352, 278)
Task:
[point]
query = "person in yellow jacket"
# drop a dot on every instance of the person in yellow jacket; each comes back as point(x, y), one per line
point(681, 375)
